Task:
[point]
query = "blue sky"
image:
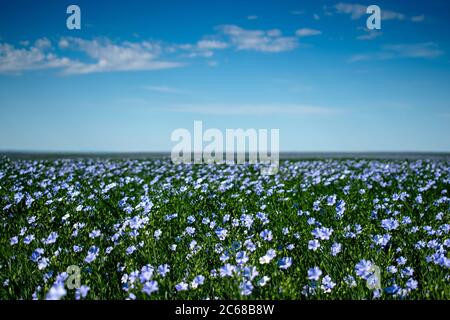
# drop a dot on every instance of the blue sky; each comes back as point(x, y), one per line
point(137, 70)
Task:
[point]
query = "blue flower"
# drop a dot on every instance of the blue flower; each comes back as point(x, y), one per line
point(131, 296)
point(412, 284)
point(14, 240)
point(364, 269)
point(419, 199)
point(150, 287)
point(406, 220)
point(314, 273)
point(163, 269)
point(377, 293)
point(392, 269)
point(313, 245)
point(251, 246)
point(285, 262)
point(157, 234)
point(37, 254)
point(407, 272)
point(322, 233)
point(392, 289)
point(198, 281)
point(246, 288)
point(224, 257)
point(316, 205)
point(18, 197)
point(131, 249)
point(92, 254)
point(241, 257)
point(81, 292)
point(389, 224)
point(51, 238)
point(247, 220)
point(190, 231)
point(90, 257)
point(227, 270)
point(28, 239)
point(43, 263)
point(327, 284)
point(221, 233)
point(340, 208)
point(146, 274)
point(331, 200)
point(373, 282)
point(263, 281)
point(270, 254)
point(31, 220)
point(95, 234)
point(350, 281)
point(182, 286)
point(250, 272)
point(382, 240)
point(335, 249)
point(401, 261)
point(266, 235)
point(56, 292)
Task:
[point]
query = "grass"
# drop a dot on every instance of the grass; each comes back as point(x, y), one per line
point(127, 201)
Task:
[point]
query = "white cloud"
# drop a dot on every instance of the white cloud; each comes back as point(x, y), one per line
point(232, 36)
point(356, 11)
point(211, 44)
point(361, 57)
point(107, 56)
point(37, 56)
point(306, 32)
point(427, 50)
point(43, 43)
point(391, 15)
point(203, 48)
point(369, 35)
point(253, 17)
point(274, 33)
point(104, 55)
point(63, 43)
point(165, 89)
point(254, 109)
point(418, 18)
point(316, 16)
point(258, 40)
point(419, 50)
point(213, 63)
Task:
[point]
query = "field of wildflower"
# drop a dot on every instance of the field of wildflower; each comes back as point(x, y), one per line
point(151, 229)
